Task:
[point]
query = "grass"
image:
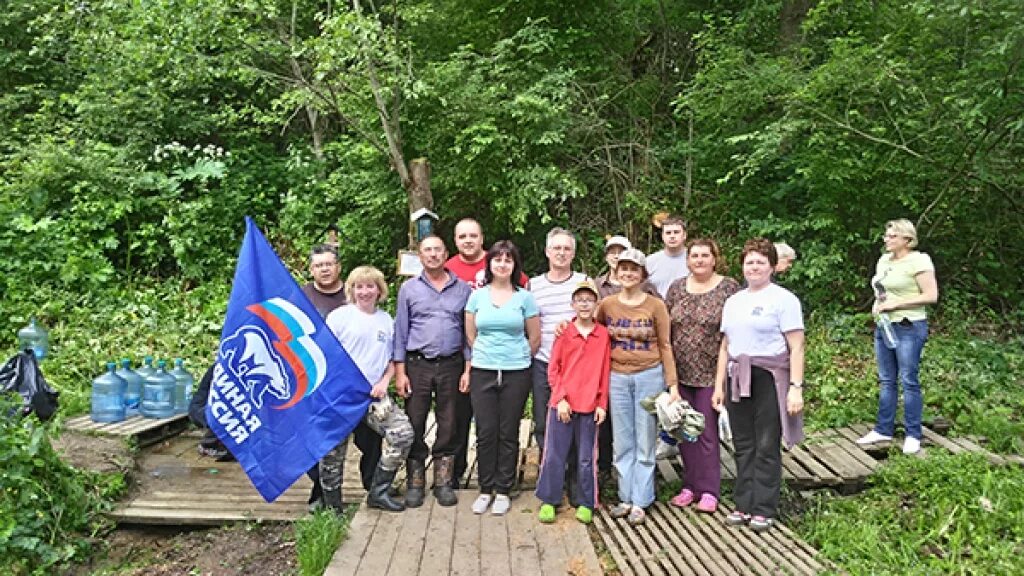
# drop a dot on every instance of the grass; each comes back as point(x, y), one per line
point(318, 536)
point(943, 514)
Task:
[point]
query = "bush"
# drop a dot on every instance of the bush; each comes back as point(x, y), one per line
point(46, 506)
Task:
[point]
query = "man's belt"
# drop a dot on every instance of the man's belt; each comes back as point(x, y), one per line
point(416, 355)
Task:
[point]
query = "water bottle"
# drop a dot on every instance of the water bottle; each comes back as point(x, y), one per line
point(158, 393)
point(133, 391)
point(885, 328)
point(108, 396)
point(146, 370)
point(34, 337)
point(183, 387)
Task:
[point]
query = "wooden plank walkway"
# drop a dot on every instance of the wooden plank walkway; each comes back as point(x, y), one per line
point(145, 431)
point(827, 459)
point(177, 486)
point(435, 541)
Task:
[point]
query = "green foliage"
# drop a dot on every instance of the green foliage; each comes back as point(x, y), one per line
point(47, 508)
point(943, 514)
point(317, 536)
point(134, 320)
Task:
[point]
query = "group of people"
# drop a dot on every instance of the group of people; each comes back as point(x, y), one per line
point(473, 337)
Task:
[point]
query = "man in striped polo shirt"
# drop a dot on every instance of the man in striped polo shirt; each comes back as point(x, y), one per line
point(553, 293)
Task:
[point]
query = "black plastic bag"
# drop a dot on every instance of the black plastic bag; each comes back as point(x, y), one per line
point(21, 374)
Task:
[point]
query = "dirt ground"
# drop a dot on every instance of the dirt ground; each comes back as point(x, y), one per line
point(241, 549)
point(238, 550)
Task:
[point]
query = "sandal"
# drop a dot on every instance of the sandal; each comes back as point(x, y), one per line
point(683, 499)
point(737, 518)
point(620, 510)
point(708, 503)
point(636, 516)
point(760, 523)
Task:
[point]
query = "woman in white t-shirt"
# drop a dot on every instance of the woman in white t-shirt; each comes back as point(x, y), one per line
point(904, 283)
point(762, 360)
point(367, 333)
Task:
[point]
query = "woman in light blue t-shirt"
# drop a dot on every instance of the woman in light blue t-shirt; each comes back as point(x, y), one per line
point(503, 328)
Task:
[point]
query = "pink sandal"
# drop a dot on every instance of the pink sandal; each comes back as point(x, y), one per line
point(683, 499)
point(708, 503)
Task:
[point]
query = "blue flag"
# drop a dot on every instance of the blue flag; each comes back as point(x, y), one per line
point(284, 391)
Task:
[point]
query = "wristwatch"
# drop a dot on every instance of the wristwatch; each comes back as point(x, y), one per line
point(797, 383)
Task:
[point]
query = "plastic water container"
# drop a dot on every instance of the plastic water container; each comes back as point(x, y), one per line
point(889, 337)
point(183, 387)
point(36, 337)
point(158, 393)
point(108, 396)
point(146, 370)
point(133, 390)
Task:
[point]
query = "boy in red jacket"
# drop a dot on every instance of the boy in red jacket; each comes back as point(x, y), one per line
point(578, 374)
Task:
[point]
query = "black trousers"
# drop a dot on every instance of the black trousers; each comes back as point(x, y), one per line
point(434, 380)
point(756, 438)
point(463, 418)
point(499, 397)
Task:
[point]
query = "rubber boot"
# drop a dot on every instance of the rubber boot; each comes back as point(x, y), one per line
point(378, 495)
point(416, 483)
point(443, 468)
point(332, 500)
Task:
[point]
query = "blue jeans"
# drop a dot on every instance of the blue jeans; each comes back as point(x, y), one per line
point(902, 363)
point(635, 433)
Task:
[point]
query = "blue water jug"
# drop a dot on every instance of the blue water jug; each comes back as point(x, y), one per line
point(108, 396)
point(34, 337)
point(133, 389)
point(158, 394)
point(146, 370)
point(183, 387)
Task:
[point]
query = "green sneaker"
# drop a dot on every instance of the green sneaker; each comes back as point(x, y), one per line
point(546, 514)
point(584, 514)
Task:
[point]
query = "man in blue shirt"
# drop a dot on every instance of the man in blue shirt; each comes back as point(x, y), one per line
point(430, 362)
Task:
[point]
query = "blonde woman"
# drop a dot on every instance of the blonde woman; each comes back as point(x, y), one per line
point(904, 283)
point(367, 334)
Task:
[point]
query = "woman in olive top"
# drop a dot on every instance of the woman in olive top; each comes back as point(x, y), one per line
point(642, 366)
point(904, 283)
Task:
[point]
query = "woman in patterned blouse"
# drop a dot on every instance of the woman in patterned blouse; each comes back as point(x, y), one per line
point(695, 305)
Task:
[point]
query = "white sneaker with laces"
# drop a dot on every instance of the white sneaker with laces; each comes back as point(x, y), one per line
point(911, 445)
point(665, 450)
point(872, 438)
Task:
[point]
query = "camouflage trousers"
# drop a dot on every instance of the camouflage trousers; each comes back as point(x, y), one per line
point(386, 419)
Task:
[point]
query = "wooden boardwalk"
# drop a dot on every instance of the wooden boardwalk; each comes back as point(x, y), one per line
point(175, 485)
point(681, 541)
point(145, 431)
point(436, 541)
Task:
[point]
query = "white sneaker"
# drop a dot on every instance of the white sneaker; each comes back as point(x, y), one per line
point(501, 505)
point(873, 437)
point(665, 450)
point(481, 503)
point(911, 445)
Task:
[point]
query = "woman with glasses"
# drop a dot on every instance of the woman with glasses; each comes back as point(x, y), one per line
point(642, 366)
point(904, 284)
